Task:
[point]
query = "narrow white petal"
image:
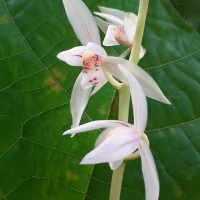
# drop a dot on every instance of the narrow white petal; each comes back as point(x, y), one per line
point(116, 164)
point(142, 52)
point(110, 18)
point(82, 21)
point(130, 22)
point(111, 65)
point(96, 49)
point(79, 100)
point(103, 25)
point(73, 56)
point(137, 95)
point(149, 172)
point(119, 143)
point(138, 100)
point(109, 39)
point(97, 125)
point(149, 86)
point(102, 137)
point(115, 12)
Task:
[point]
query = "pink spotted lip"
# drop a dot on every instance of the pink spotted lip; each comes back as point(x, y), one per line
point(91, 63)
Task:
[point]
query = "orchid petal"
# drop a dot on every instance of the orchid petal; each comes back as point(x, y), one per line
point(79, 100)
point(96, 49)
point(102, 137)
point(111, 65)
point(82, 21)
point(116, 164)
point(109, 39)
point(119, 143)
point(130, 22)
point(115, 12)
point(149, 86)
point(103, 25)
point(142, 52)
point(137, 94)
point(110, 18)
point(73, 56)
point(138, 100)
point(149, 172)
point(93, 78)
point(97, 125)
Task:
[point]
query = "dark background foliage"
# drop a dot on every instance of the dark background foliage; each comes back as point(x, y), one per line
point(189, 10)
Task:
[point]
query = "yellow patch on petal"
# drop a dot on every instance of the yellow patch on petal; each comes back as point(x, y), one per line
point(87, 55)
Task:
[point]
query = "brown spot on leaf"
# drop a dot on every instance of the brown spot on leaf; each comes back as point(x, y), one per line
point(178, 192)
point(53, 84)
point(4, 20)
point(102, 110)
point(58, 74)
point(71, 176)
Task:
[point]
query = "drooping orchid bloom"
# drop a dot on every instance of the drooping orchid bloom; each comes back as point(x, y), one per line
point(121, 139)
point(98, 68)
point(119, 27)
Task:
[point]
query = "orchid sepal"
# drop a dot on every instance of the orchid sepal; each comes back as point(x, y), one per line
point(85, 27)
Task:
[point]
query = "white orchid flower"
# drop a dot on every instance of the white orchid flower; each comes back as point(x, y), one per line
point(86, 31)
point(119, 27)
point(91, 58)
point(96, 64)
point(98, 68)
point(121, 139)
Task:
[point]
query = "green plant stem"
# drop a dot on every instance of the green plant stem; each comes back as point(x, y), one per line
point(142, 13)
point(124, 96)
point(124, 100)
point(116, 184)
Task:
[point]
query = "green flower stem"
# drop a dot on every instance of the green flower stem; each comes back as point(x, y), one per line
point(116, 184)
point(124, 98)
point(124, 101)
point(142, 13)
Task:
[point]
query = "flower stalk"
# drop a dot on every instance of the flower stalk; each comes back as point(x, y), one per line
point(142, 13)
point(124, 98)
point(116, 184)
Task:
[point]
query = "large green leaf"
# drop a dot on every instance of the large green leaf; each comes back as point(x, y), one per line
point(173, 59)
point(36, 161)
